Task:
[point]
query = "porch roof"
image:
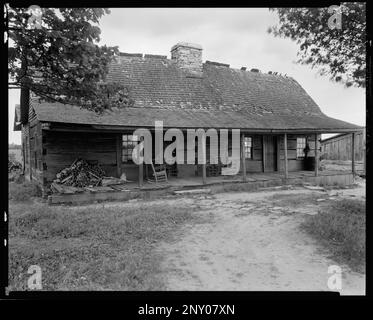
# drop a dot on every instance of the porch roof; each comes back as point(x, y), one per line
point(186, 118)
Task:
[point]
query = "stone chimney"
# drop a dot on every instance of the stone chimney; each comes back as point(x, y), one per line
point(188, 56)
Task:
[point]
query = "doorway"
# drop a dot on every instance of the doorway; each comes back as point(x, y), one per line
point(270, 153)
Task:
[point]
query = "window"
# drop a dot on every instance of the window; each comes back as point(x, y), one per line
point(301, 144)
point(128, 144)
point(248, 143)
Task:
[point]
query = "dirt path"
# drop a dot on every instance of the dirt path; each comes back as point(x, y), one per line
point(246, 243)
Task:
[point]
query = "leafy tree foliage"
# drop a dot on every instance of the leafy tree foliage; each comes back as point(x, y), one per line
point(338, 52)
point(57, 57)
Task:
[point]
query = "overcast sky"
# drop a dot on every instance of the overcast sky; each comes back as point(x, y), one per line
point(234, 36)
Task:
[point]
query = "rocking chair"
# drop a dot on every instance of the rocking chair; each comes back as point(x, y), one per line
point(159, 173)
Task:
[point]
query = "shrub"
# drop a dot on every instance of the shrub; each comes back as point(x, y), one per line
point(24, 191)
point(16, 176)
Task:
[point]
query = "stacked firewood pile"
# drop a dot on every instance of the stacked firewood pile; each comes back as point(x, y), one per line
point(14, 166)
point(80, 174)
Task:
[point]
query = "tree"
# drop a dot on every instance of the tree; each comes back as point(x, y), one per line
point(337, 52)
point(54, 53)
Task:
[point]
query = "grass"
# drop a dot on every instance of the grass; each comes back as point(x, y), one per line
point(90, 248)
point(340, 226)
point(20, 190)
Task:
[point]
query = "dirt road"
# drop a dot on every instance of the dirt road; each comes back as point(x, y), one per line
point(246, 242)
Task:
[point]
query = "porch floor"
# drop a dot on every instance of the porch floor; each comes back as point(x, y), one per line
point(132, 190)
point(196, 181)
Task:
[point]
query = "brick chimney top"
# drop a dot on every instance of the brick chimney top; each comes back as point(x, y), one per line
point(188, 56)
point(186, 45)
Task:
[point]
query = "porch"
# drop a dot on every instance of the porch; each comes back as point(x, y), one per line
point(253, 181)
point(293, 177)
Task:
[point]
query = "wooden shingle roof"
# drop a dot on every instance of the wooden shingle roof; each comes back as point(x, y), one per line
point(221, 98)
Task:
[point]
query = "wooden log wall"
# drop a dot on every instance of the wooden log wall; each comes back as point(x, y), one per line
point(255, 164)
point(294, 163)
point(56, 150)
point(252, 165)
point(339, 148)
point(60, 149)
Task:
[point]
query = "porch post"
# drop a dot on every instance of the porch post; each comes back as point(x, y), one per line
point(119, 155)
point(316, 156)
point(141, 168)
point(263, 154)
point(243, 157)
point(204, 159)
point(286, 155)
point(353, 153)
point(29, 153)
point(141, 174)
point(278, 157)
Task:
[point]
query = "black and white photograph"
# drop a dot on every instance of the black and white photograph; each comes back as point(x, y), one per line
point(186, 149)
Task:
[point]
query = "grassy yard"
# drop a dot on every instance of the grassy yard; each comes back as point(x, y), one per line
point(89, 249)
point(340, 226)
point(102, 247)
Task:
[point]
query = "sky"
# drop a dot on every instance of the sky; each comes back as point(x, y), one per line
point(234, 36)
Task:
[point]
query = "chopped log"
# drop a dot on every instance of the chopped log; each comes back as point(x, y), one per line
point(80, 174)
point(92, 174)
point(99, 189)
point(108, 181)
point(193, 191)
point(57, 187)
point(119, 187)
point(70, 189)
point(66, 179)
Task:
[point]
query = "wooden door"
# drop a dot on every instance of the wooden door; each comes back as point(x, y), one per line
point(270, 153)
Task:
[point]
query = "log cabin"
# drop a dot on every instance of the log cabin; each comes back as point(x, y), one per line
point(276, 117)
